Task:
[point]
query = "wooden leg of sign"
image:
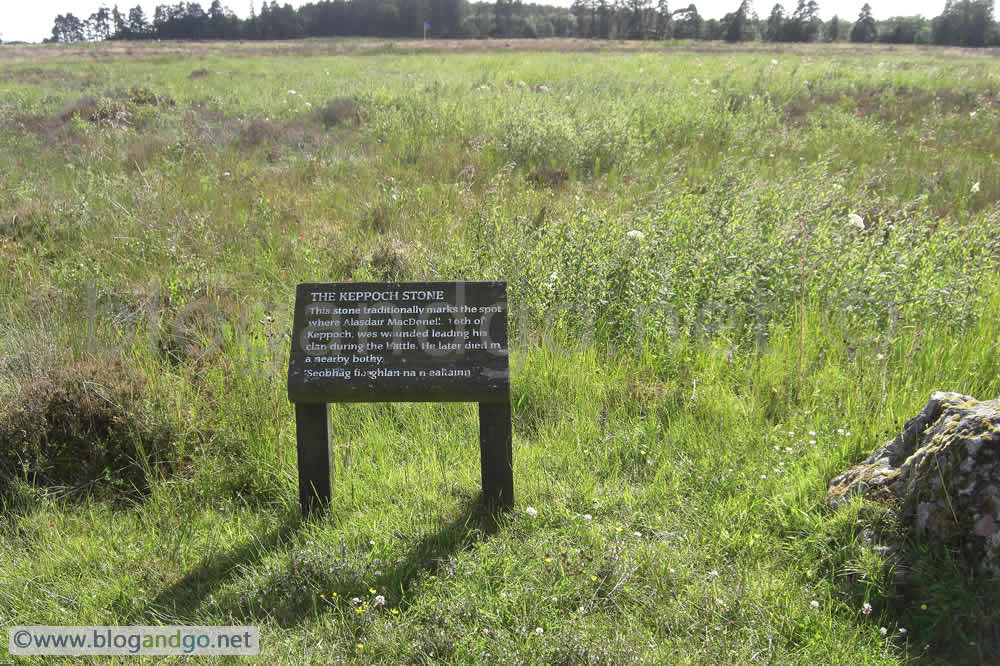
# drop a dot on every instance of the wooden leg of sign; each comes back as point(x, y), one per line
point(496, 455)
point(312, 433)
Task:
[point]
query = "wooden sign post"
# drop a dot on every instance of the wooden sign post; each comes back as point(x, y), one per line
point(400, 342)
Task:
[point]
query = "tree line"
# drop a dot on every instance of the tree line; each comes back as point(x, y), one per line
point(961, 23)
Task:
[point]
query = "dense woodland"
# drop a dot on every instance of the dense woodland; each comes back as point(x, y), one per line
point(962, 22)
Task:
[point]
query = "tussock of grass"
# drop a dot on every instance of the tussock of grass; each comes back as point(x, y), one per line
point(85, 107)
point(341, 111)
point(258, 131)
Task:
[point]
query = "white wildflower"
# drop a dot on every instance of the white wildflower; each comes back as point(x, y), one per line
point(635, 235)
point(539, 631)
point(531, 511)
point(855, 220)
point(867, 608)
point(975, 187)
point(587, 516)
point(883, 631)
point(773, 61)
point(814, 603)
point(291, 92)
point(378, 601)
point(903, 630)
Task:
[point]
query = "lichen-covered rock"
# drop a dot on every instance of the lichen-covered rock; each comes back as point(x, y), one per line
point(943, 472)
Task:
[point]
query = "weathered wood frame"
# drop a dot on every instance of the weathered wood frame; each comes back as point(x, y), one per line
point(312, 422)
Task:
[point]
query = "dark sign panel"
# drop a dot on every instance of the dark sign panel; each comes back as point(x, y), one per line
point(400, 341)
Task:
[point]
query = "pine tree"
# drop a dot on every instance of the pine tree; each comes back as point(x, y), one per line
point(864, 29)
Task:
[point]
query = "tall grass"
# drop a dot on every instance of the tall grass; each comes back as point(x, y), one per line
point(682, 394)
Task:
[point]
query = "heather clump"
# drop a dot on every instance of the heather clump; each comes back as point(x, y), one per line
point(87, 428)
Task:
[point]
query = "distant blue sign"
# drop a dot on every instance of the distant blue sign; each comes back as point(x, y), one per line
point(427, 26)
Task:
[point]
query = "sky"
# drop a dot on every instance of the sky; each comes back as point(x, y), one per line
point(31, 20)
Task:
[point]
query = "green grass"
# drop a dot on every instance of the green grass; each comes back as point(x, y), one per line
point(153, 236)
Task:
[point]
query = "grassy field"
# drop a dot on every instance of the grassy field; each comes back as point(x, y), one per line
point(682, 396)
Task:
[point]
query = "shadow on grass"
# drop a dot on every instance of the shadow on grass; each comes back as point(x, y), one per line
point(950, 614)
point(473, 523)
point(302, 582)
point(181, 601)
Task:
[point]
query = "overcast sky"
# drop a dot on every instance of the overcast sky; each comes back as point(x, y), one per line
point(31, 20)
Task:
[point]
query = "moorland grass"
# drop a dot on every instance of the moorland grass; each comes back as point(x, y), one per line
point(681, 396)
